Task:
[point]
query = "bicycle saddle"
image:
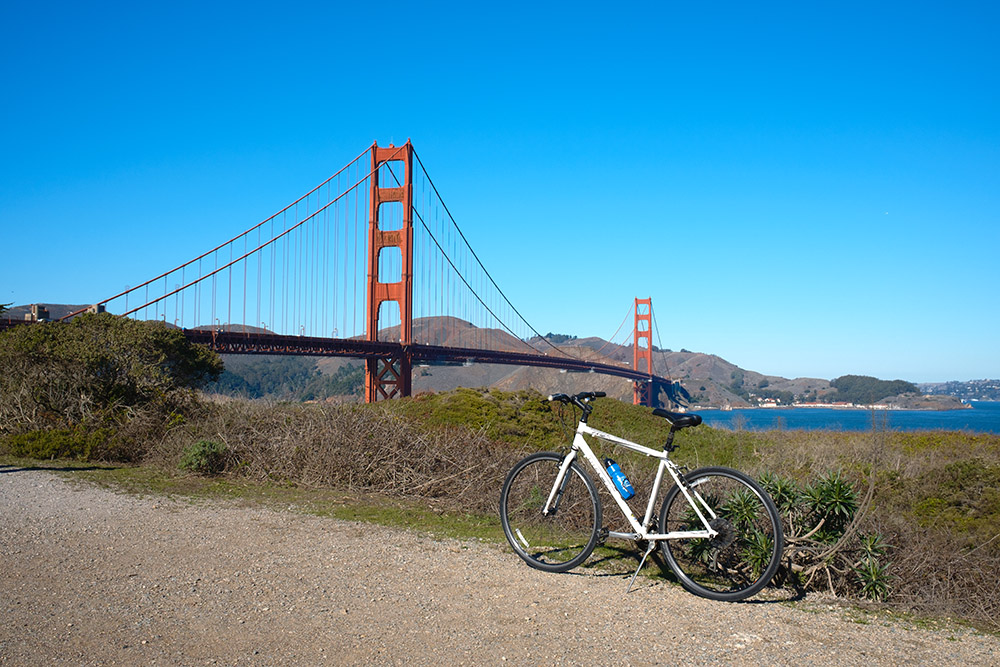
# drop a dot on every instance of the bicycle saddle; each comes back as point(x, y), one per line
point(678, 419)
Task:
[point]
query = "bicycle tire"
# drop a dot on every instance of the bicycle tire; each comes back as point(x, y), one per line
point(566, 537)
point(743, 558)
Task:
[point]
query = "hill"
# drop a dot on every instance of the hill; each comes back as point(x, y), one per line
point(707, 379)
point(973, 390)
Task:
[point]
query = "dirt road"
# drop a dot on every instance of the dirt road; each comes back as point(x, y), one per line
point(90, 577)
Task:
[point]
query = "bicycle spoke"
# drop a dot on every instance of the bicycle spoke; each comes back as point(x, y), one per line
point(742, 557)
point(566, 536)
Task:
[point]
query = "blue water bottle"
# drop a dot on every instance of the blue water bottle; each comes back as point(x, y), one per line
point(618, 477)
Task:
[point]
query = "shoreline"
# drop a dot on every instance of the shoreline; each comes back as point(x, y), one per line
point(823, 406)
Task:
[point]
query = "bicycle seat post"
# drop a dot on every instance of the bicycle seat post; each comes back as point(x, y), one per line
point(670, 446)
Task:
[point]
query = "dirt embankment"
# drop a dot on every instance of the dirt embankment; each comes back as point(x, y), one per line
point(91, 577)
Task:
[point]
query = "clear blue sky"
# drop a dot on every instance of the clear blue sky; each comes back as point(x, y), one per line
point(805, 189)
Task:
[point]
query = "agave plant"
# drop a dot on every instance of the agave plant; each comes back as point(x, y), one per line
point(873, 578)
point(837, 497)
point(741, 509)
point(821, 546)
point(873, 545)
point(783, 491)
point(830, 505)
point(757, 551)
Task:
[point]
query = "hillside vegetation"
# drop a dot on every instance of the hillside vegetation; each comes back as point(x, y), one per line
point(98, 386)
point(287, 377)
point(911, 518)
point(865, 390)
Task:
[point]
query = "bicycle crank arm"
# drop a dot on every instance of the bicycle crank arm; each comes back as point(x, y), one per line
point(624, 536)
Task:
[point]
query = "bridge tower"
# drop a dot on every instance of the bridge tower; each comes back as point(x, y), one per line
point(388, 377)
point(642, 350)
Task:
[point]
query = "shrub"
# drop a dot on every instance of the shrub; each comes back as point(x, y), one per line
point(96, 368)
point(103, 386)
point(823, 546)
point(204, 457)
point(363, 448)
point(59, 444)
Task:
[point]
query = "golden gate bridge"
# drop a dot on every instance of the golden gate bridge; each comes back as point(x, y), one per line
point(369, 264)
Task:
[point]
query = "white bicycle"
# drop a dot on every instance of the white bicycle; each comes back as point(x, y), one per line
point(719, 531)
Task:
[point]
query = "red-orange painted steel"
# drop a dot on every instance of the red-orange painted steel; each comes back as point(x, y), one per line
point(387, 378)
point(642, 350)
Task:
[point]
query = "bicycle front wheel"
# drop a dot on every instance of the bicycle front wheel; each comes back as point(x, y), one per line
point(743, 557)
point(564, 537)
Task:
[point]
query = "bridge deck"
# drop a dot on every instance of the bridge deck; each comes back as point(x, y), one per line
point(228, 342)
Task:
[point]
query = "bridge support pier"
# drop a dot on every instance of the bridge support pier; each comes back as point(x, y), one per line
point(642, 393)
point(388, 378)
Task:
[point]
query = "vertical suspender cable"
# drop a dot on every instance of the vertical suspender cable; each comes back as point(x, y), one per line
point(229, 292)
point(245, 263)
point(354, 272)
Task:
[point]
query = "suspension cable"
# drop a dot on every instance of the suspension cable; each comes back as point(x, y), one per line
point(455, 224)
point(608, 342)
point(273, 239)
point(659, 343)
point(222, 245)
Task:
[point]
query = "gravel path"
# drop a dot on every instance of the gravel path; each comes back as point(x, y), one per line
point(90, 577)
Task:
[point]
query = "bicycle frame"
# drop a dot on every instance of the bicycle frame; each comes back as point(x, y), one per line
point(641, 530)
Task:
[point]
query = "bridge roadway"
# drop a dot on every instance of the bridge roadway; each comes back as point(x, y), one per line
point(230, 342)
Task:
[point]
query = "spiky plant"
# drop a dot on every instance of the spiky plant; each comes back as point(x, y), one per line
point(873, 578)
point(785, 493)
point(741, 508)
point(757, 551)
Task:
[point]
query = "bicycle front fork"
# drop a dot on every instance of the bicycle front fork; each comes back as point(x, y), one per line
point(555, 495)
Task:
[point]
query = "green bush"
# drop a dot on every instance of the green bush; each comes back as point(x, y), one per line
point(99, 387)
point(97, 368)
point(205, 457)
point(59, 444)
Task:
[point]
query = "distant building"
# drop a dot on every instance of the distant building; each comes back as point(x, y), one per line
point(38, 313)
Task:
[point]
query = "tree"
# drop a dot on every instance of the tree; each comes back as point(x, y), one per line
point(864, 390)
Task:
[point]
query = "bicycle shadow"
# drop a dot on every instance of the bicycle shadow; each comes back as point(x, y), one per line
point(609, 563)
point(10, 468)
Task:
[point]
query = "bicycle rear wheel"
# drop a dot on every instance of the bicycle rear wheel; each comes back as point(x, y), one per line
point(743, 557)
point(566, 536)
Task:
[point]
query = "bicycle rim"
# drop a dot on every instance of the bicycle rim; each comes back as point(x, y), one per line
point(564, 538)
point(744, 556)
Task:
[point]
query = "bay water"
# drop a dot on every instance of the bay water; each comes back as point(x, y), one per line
point(983, 417)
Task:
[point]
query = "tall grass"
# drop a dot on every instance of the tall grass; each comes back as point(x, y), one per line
point(349, 447)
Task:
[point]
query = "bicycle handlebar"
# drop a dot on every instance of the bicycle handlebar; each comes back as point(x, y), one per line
point(577, 398)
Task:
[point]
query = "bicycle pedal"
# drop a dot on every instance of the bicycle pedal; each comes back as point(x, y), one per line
point(602, 536)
